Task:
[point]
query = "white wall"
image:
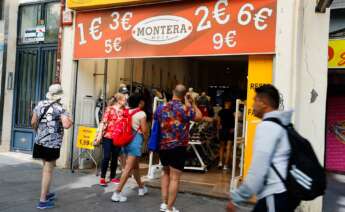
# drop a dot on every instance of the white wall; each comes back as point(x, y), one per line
point(300, 66)
point(67, 82)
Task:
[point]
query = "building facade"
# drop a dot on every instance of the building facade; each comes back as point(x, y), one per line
point(297, 66)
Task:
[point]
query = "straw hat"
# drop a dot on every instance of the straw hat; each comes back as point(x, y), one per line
point(55, 92)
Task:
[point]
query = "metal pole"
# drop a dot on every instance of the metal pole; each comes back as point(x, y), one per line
point(59, 48)
point(105, 83)
point(74, 114)
point(234, 151)
point(132, 77)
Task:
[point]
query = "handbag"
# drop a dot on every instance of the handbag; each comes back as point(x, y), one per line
point(153, 144)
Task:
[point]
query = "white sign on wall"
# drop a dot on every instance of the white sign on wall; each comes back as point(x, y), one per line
point(34, 34)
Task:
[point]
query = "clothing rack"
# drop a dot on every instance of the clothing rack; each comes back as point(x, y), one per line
point(199, 145)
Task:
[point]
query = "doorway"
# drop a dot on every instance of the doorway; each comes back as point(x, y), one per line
point(38, 26)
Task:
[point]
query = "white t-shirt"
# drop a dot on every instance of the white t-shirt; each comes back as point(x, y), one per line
point(136, 119)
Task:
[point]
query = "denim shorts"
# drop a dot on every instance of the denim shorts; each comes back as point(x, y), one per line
point(134, 148)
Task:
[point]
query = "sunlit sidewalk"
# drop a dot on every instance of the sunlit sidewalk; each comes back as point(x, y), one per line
point(20, 187)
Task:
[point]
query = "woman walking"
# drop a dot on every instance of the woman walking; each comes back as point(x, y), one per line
point(49, 120)
point(133, 149)
point(105, 131)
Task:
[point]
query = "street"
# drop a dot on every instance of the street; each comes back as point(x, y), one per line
point(20, 187)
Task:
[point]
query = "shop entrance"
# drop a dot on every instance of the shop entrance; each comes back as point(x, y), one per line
point(218, 79)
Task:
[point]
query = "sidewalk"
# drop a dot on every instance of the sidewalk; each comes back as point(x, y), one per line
point(20, 187)
point(334, 200)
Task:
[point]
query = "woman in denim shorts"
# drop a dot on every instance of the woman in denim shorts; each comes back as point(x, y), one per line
point(133, 149)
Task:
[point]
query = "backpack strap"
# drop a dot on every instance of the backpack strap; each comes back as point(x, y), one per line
point(277, 121)
point(46, 110)
point(135, 111)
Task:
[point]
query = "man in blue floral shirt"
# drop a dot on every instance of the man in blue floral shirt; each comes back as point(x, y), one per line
point(174, 119)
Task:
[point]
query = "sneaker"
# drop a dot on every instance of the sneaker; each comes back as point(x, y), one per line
point(51, 196)
point(163, 207)
point(118, 197)
point(102, 182)
point(173, 210)
point(142, 191)
point(45, 205)
point(115, 180)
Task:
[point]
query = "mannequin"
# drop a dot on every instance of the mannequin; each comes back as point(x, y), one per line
point(99, 109)
point(193, 94)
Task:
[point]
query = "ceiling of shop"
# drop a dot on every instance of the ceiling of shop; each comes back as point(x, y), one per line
point(223, 58)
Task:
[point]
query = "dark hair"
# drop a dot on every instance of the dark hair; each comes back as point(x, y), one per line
point(134, 100)
point(270, 93)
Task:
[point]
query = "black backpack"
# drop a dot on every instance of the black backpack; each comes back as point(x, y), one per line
point(306, 178)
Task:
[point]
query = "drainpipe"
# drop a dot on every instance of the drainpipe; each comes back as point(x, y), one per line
point(59, 48)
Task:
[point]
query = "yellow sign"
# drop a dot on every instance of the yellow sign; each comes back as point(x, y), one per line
point(336, 54)
point(260, 72)
point(86, 137)
point(92, 4)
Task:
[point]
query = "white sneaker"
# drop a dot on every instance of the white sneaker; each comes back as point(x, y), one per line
point(143, 191)
point(173, 210)
point(164, 207)
point(118, 197)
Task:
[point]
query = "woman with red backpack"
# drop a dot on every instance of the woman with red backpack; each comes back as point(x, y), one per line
point(133, 149)
point(105, 133)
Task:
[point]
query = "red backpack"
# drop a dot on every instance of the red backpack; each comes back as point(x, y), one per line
point(123, 133)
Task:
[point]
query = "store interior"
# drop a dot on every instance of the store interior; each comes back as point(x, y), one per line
point(219, 77)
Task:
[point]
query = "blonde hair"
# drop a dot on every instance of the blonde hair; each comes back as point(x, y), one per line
point(116, 97)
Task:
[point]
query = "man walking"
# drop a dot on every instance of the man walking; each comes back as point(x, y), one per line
point(271, 146)
point(49, 120)
point(174, 119)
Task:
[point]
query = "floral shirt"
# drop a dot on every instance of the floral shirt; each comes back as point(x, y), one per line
point(174, 122)
point(50, 130)
point(110, 117)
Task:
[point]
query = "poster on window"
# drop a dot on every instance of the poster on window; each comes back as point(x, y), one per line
point(35, 34)
point(183, 28)
point(335, 137)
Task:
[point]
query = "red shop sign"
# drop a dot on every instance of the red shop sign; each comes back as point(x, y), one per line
point(223, 27)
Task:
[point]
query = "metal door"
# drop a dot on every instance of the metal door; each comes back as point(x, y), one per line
point(35, 67)
point(35, 72)
point(25, 97)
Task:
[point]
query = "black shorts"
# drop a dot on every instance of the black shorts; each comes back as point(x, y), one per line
point(45, 153)
point(226, 135)
point(174, 158)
